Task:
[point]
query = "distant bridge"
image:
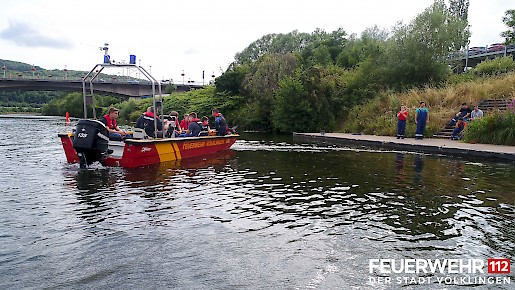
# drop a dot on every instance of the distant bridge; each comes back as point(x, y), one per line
point(123, 89)
point(474, 60)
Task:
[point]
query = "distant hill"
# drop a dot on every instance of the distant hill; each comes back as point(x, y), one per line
point(16, 68)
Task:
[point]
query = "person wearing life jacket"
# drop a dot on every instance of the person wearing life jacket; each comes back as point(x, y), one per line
point(109, 120)
point(220, 123)
point(171, 125)
point(195, 126)
point(204, 126)
point(146, 122)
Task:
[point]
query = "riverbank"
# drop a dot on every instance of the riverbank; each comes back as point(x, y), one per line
point(427, 145)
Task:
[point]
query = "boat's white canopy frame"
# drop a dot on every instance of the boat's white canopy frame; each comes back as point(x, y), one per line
point(95, 72)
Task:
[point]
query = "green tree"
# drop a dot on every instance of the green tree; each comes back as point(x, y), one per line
point(262, 82)
point(509, 20)
point(370, 45)
point(274, 43)
point(230, 82)
point(417, 52)
point(288, 117)
point(459, 8)
point(324, 48)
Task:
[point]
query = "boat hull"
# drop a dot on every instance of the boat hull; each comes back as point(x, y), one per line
point(135, 153)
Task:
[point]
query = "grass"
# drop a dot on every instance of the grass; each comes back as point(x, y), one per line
point(494, 128)
point(378, 116)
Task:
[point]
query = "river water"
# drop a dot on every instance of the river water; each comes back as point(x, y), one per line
point(269, 214)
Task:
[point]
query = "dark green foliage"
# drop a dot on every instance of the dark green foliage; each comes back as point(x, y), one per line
point(293, 111)
point(494, 128)
point(321, 75)
point(231, 81)
point(495, 66)
point(170, 88)
point(459, 8)
point(509, 20)
point(14, 101)
point(73, 103)
point(275, 43)
point(18, 66)
point(310, 81)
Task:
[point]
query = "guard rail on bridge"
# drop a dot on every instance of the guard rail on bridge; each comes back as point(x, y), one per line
point(117, 88)
point(468, 60)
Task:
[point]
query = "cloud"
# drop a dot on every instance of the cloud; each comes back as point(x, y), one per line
point(191, 51)
point(23, 34)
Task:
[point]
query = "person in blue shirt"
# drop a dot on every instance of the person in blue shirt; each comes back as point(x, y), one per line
point(220, 123)
point(421, 119)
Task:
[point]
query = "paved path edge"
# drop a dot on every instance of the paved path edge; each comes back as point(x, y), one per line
point(428, 145)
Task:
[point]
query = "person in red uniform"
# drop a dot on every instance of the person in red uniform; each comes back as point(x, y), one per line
point(109, 120)
point(185, 123)
point(402, 116)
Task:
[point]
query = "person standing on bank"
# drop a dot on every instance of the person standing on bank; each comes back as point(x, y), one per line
point(402, 116)
point(109, 120)
point(421, 119)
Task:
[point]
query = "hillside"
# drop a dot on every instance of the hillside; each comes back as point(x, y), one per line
point(378, 116)
point(20, 69)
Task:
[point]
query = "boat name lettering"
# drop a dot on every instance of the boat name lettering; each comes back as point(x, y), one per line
point(145, 149)
point(215, 142)
point(193, 145)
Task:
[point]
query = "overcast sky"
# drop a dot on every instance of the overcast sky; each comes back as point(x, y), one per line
point(195, 35)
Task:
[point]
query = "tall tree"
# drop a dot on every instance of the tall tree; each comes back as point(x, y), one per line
point(274, 43)
point(459, 8)
point(509, 20)
point(416, 51)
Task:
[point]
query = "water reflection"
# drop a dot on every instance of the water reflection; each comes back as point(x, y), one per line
point(418, 166)
point(400, 175)
point(268, 213)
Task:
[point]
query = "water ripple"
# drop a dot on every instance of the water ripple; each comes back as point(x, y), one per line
point(267, 213)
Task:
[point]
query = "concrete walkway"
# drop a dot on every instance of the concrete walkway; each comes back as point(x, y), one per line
point(427, 145)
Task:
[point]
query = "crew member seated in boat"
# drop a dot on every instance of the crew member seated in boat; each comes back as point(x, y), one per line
point(194, 128)
point(171, 125)
point(204, 126)
point(109, 120)
point(146, 122)
point(185, 123)
point(220, 123)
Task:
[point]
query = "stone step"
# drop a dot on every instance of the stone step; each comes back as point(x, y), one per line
point(440, 136)
point(485, 106)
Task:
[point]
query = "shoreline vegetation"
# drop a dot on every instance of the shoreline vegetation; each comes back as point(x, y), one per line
point(378, 116)
point(335, 82)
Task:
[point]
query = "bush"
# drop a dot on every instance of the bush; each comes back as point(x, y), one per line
point(495, 128)
point(499, 65)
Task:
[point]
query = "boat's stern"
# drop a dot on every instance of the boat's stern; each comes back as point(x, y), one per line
point(69, 151)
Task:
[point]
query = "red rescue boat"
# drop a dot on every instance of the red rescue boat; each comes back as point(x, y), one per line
point(89, 142)
point(142, 152)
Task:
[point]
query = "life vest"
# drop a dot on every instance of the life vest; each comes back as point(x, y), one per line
point(146, 122)
point(111, 124)
point(195, 127)
point(220, 125)
point(204, 126)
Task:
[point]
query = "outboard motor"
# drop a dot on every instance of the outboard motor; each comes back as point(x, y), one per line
point(90, 141)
